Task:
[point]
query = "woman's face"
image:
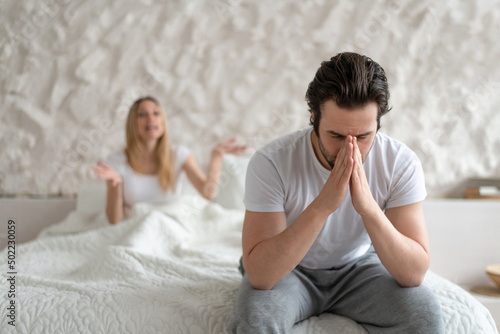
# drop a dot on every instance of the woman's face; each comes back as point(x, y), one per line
point(150, 122)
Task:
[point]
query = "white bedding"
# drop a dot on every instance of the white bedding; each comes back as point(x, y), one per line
point(169, 269)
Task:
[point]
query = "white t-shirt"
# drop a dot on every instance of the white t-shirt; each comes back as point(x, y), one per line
point(146, 188)
point(286, 176)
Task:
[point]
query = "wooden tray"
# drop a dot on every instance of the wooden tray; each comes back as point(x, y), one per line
point(487, 290)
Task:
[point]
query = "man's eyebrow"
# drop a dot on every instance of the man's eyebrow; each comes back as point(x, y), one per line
point(341, 135)
point(333, 133)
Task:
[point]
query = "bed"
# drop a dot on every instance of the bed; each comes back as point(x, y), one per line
point(168, 269)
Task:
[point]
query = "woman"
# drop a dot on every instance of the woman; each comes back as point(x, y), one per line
point(149, 167)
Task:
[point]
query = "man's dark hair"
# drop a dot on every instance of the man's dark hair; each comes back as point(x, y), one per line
point(350, 80)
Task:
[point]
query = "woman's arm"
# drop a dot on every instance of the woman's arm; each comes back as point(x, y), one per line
point(207, 185)
point(114, 202)
point(114, 197)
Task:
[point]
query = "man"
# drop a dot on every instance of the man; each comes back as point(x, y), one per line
point(334, 219)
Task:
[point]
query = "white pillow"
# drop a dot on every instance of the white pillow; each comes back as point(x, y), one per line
point(232, 182)
point(91, 198)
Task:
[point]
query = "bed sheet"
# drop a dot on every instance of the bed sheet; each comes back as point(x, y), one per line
point(168, 269)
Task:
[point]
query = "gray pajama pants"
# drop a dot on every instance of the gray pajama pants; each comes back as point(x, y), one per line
point(362, 290)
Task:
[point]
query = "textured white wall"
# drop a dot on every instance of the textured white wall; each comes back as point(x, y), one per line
point(69, 71)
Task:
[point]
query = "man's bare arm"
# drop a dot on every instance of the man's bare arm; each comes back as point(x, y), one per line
point(270, 250)
point(400, 240)
point(399, 236)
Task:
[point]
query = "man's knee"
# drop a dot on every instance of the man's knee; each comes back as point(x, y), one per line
point(262, 311)
point(256, 315)
point(418, 310)
point(402, 310)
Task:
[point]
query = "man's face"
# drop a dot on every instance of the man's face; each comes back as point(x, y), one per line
point(337, 123)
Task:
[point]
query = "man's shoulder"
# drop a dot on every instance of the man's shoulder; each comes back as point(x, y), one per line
point(286, 143)
point(386, 143)
point(391, 151)
point(395, 172)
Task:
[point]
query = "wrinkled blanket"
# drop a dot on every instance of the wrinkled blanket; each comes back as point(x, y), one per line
point(168, 269)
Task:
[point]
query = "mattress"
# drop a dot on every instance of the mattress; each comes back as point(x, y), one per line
point(169, 269)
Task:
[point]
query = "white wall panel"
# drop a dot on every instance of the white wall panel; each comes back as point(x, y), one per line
point(69, 71)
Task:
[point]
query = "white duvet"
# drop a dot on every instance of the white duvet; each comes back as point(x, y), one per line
point(169, 269)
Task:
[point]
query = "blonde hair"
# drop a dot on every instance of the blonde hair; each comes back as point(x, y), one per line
point(162, 150)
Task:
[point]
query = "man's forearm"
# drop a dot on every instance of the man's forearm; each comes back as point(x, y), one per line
point(405, 259)
point(274, 258)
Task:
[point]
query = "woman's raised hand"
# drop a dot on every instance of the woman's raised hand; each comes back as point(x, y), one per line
point(107, 173)
point(228, 147)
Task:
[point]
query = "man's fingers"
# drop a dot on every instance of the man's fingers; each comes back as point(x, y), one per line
point(343, 155)
point(346, 165)
point(346, 176)
point(358, 152)
point(358, 172)
point(348, 159)
point(355, 172)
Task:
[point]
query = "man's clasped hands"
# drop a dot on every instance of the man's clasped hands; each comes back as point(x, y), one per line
point(348, 173)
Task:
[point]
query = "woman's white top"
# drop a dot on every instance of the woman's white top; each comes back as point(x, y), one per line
point(139, 187)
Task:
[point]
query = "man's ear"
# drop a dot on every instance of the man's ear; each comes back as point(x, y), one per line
point(313, 116)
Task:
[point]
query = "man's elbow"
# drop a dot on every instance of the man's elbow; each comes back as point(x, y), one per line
point(412, 281)
point(258, 279)
point(260, 284)
point(416, 276)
